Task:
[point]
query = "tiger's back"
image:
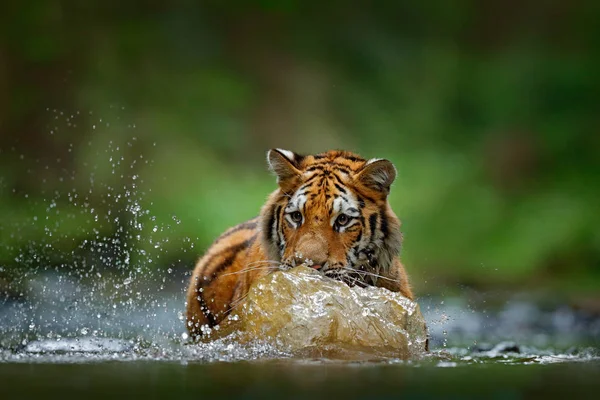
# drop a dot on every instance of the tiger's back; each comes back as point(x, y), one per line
point(330, 212)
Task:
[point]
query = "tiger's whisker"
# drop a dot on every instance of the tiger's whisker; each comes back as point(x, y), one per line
point(369, 273)
point(233, 305)
point(264, 262)
point(241, 271)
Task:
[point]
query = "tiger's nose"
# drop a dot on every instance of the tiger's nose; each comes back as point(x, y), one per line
point(312, 250)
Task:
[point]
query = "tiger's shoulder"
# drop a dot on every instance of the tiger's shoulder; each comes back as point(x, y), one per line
point(223, 251)
point(221, 274)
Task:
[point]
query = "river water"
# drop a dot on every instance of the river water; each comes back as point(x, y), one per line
point(103, 335)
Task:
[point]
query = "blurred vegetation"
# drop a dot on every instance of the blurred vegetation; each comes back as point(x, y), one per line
point(133, 133)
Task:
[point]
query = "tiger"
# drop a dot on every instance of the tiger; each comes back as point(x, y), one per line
point(329, 212)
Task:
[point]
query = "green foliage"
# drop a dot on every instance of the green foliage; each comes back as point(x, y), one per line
point(490, 115)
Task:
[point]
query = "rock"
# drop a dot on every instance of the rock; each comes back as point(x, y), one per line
point(506, 347)
point(306, 313)
point(482, 348)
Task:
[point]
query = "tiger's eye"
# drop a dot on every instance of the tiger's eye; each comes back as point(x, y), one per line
point(342, 220)
point(296, 216)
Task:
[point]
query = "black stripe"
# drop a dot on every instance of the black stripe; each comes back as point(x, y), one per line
point(362, 220)
point(269, 227)
point(252, 239)
point(314, 168)
point(210, 260)
point(235, 250)
point(372, 200)
point(361, 202)
point(342, 168)
point(332, 163)
point(300, 192)
point(305, 186)
point(384, 222)
point(372, 226)
point(237, 286)
point(249, 225)
point(312, 178)
point(274, 228)
point(359, 237)
point(341, 189)
point(339, 181)
point(212, 322)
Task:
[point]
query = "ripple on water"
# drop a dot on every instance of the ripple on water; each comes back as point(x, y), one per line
point(93, 350)
point(89, 349)
point(79, 345)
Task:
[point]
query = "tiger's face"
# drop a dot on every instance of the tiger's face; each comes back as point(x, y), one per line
point(331, 213)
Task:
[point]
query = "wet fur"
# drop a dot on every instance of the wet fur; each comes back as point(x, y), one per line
point(320, 187)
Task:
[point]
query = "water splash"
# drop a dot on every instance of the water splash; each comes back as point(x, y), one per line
point(93, 263)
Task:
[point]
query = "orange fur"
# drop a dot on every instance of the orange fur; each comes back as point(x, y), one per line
point(301, 222)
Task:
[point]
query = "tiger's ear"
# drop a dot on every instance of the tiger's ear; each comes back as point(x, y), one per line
point(378, 175)
point(284, 164)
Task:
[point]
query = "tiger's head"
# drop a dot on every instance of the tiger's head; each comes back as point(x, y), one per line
point(331, 212)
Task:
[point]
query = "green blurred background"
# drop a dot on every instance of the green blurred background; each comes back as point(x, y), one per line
point(132, 133)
